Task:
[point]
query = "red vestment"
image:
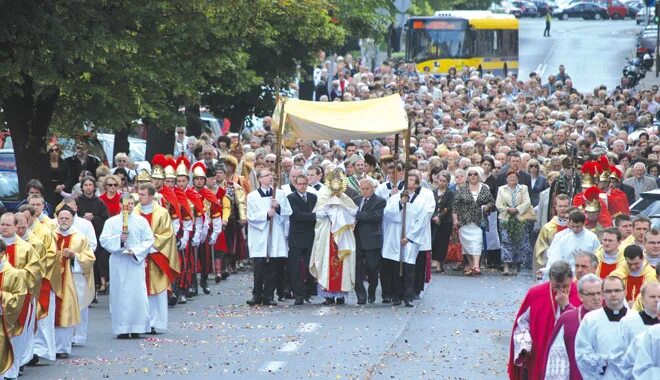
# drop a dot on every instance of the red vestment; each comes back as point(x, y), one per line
point(617, 203)
point(540, 302)
point(606, 269)
point(569, 322)
point(604, 218)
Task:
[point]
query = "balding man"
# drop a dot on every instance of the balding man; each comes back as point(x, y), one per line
point(639, 181)
point(369, 240)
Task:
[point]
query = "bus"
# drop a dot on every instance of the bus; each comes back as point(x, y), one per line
point(481, 40)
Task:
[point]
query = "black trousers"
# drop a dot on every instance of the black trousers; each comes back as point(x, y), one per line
point(367, 263)
point(281, 276)
point(264, 278)
point(298, 267)
point(394, 286)
point(546, 32)
point(420, 272)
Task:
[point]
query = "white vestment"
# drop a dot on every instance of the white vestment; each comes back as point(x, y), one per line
point(258, 225)
point(566, 244)
point(129, 305)
point(625, 349)
point(594, 345)
point(44, 339)
point(86, 228)
point(647, 362)
point(426, 200)
point(392, 224)
point(336, 216)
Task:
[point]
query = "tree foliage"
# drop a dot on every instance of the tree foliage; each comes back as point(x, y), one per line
point(428, 7)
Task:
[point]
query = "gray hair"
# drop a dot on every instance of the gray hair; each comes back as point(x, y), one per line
point(560, 271)
point(588, 279)
point(593, 260)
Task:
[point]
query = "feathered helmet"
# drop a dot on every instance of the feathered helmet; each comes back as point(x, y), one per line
point(615, 173)
point(158, 164)
point(198, 169)
point(592, 197)
point(143, 176)
point(182, 167)
point(169, 169)
point(589, 171)
point(604, 169)
point(336, 182)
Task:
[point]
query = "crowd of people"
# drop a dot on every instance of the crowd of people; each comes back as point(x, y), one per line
point(502, 174)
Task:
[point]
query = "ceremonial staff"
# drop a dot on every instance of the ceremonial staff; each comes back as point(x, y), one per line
point(404, 193)
point(124, 227)
point(278, 160)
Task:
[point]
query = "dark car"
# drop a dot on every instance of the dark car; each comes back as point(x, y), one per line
point(9, 194)
point(587, 11)
point(527, 8)
point(543, 7)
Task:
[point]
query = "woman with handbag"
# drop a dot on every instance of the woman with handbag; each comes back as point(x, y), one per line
point(516, 211)
point(442, 222)
point(472, 202)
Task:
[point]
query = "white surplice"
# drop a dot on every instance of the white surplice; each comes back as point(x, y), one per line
point(594, 345)
point(129, 305)
point(625, 349)
point(426, 200)
point(258, 225)
point(566, 244)
point(392, 225)
point(647, 362)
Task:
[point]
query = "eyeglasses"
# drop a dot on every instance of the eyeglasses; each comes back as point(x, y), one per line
point(612, 291)
point(53, 150)
point(529, 151)
point(533, 166)
point(594, 294)
point(180, 133)
point(473, 174)
point(111, 185)
point(498, 167)
point(270, 161)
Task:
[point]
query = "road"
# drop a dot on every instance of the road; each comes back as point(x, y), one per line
point(459, 330)
point(593, 52)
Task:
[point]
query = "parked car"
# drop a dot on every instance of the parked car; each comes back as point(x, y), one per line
point(138, 147)
point(648, 205)
point(506, 8)
point(527, 8)
point(634, 7)
point(9, 192)
point(616, 10)
point(543, 7)
point(587, 11)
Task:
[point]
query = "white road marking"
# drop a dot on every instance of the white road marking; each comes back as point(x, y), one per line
point(272, 366)
point(308, 327)
point(290, 346)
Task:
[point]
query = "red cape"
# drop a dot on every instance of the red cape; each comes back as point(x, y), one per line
point(540, 301)
point(183, 202)
point(170, 197)
point(604, 219)
point(617, 203)
point(196, 200)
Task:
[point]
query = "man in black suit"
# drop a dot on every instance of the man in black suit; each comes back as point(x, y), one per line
point(301, 238)
point(368, 239)
point(514, 165)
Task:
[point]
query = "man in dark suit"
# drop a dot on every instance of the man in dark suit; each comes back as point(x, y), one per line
point(514, 165)
point(368, 239)
point(301, 239)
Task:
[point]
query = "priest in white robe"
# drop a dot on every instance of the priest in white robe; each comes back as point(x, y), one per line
point(85, 289)
point(647, 362)
point(567, 243)
point(401, 247)
point(333, 260)
point(630, 328)
point(598, 332)
point(128, 247)
point(266, 244)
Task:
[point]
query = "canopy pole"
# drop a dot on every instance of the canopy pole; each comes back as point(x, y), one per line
point(277, 176)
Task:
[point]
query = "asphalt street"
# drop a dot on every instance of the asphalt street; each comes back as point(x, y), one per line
point(459, 330)
point(593, 52)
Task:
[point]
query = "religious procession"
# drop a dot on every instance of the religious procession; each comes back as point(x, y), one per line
point(393, 178)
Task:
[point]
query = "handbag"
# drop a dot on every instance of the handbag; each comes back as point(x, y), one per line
point(528, 216)
point(454, 249)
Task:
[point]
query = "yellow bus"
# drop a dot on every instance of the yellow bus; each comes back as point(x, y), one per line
point(481, 40)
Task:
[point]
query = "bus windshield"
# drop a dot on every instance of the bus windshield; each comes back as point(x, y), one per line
point(428, 44)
